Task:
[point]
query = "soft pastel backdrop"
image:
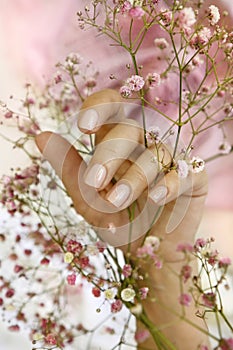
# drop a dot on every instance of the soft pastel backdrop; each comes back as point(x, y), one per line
point(36, 34)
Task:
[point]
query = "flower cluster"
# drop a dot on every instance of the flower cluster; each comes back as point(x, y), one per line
point(50, 256)
point(207, 295)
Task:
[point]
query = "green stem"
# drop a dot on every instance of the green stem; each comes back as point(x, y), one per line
point(159, 338)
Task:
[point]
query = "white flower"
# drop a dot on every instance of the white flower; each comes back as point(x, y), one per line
point(186, 17)
point(161, 43)
point(214, 15)
point(68, 257)
point(136, 310)
point(153, 135)
point(110, 294)
point(197, 164)
point(128, 294)
point(152, 241)
point(182, 168)
point(225, 147)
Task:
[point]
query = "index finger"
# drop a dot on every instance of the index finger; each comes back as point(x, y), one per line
point(99, 107)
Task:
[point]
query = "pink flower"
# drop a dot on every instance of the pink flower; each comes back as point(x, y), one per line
point(153, 80)
point(51, 339)
point(96, 292)
point(185, 299)
point(184, 248)
point(125, 91)
point(209, 299)
point(186, 272)
point(127, 270)
point(200, 243)
point(145, 251)
point(212, 257)
point(71, 279)
point(142, 335)
point(14, 328)
point(84, 262)
point(226, 344)
point(74, 246)
point(126, 6)
point(224, 262)
point(143, 292)
point(166, 17)
point(135, 82)
point(136, 12)
point(10, 293)
point(201, 38)
point(8, 115)
point(186, 18)
point(153, 135)
point(116, 306)
point(44, 261)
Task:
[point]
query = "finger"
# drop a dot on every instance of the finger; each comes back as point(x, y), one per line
point(98, 108)
point(173, 186)
point(181, 196)
point(111, 152)
point(139, 176)
point(68, 165)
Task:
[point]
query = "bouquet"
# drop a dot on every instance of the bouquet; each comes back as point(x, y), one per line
point(52, 256)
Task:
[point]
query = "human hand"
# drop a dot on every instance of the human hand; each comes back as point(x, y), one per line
point(121, 191)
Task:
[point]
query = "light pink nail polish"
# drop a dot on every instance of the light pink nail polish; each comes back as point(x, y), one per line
point(158, 193)
point(96, 175)
point(89, 119)
point(119, 195)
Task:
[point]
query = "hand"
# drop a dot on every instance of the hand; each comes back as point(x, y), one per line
point(119, 176)
point(124, 182)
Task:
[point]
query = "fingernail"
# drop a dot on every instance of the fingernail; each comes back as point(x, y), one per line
point(89, 119)
point(119, 195)
point(158, 193)
point(95, 175)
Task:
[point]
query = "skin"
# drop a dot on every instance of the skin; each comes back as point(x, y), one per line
point(182, 206)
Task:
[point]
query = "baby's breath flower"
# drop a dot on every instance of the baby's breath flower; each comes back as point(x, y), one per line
point(125, 91)
point(213, 15)
point(68, 257)
point(152, 241)
point(197, 165)
point(185, 299)
point(161, 43)
point(116, 306)
point(109, 294)
point(186, 18)
point(136, 12)
point(225, 147)
point(71, 279)
point(166, 17)
point(153, 135)
point(209, 299)
point(153, 80)
point(142, 335)
point(135, 82)
point(136, 309)
point(128, 294)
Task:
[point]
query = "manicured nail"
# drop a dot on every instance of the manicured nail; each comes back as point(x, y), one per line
point(119, 195)
point(96, 175)
point(158, 193)
point(89, 119)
